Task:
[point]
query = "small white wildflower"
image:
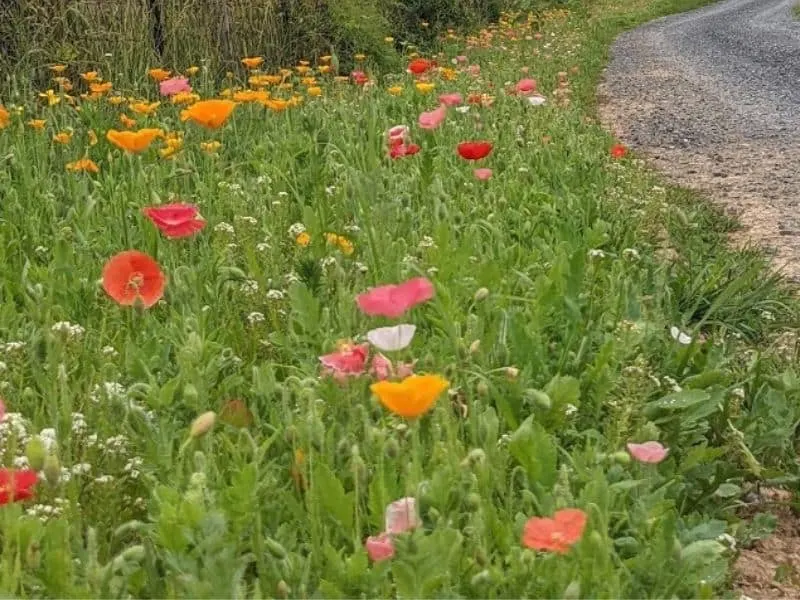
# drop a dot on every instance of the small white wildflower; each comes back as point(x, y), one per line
point(327, 262)
point(409, 260)
point(255, 317)
point(523, 169)
point(296, 229)
point(232, 246)
point(249, 287)
point(247, 219)
point(78, 423)
point(109, 351)
point(432, 271)
point(671, 383)
point(738, 393)
point(12, 347)
point(361, 267)
point(40, 250)
point(727, 540)
point(48, 437)
point(262, 246)
point(292, 277)
point(463, 109)
point(631, 254)
point(68, 330)
point(3, 366)
point(767, 315)
point(536, 100)
point(275, 295)
point(570, 409)
point(596, 253)
point(223, 227)
point(104, 479)
point(81, 469)
point(427, 242)
point(262, 179)
point(679, 336)
point(283, 194)
point(20, 462)
point(330, 190)
point(352, 228)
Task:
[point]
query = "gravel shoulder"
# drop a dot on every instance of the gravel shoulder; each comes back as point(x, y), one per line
point(711, 98)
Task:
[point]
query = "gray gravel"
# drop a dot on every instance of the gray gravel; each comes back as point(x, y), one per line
point(712, 97)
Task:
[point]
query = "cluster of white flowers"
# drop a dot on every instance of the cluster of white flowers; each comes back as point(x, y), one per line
point(109, 351)
point(247, 220)
point(275, 294)
point(223, 227)
point(69, 330)
point(109, 390)
point(296, 229)
point(249, 287)
point(596, 253)
point(11, 347)
point(426, 242)
point(254, 318)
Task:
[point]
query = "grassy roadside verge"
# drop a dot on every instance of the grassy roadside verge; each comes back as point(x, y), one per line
point(580, 306)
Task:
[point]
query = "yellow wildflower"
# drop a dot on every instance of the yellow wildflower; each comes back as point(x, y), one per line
point(5, 117)
point(303, 239)
point(252, 62)
point(51, 97)
point(144, 108)
point(158, 74)
point(325, 59)
point(424, 88)
point(314, 91)
point(62, 137)
point(359, 57)
point(116, 99)
point(192, 70)
point(37, 124)
point(91, 76)
point(182, 98)
point(324, 69)
point(100, 88)
point(395, 90)
point(58, 68)
point(92, 137)
point(211, 147)
point(83, 165)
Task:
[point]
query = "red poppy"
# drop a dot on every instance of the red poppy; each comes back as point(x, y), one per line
point(401, 150)
point(16, 485)
point(176, 220)
point(132, 275)
point(557, 534)
point(474, 98)
point(419, 66)
point(474, 150)
point(618, 151)
point(359, 77)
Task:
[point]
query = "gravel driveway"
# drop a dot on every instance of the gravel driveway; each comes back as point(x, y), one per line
point(712, 98)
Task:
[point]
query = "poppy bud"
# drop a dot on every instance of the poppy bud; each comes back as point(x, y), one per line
point(483, 388)
point(391, 448)
point(481, 294)
point(482, 578)
point(622, 458)
point(275, 548)
point(282, 590)
point(33, 556)
point(511, 372)
point(202, 424)
point(36, 453)
point(539, 398)
point(473, 501)
point(474, 347)
point(190, 394)
point(52, 469)
point(290, 434)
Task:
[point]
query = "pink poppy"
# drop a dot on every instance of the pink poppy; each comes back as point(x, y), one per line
point(461, 59)
point(474, 70)
point(348, 361)
point(394, 300)
point(482, 174)
point(453, 99)
point(359, 77)
point(400, 150)
point(397, 133)
point(2, 410)
point(175, 85)
point(381, 367)
point(432, 119)
point(175, 220)
point(525, 87)
point(648, 452)
point(401, 516)
point(379, 547)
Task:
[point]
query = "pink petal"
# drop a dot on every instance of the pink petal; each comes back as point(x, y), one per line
point(351, 361)
point(379, 547)
point(453, 99)
point(401, 516)
point(526, 86)
point(648, 452)
point(483, 174)
point(433, 118)
point(381, 367)
point(394, 300)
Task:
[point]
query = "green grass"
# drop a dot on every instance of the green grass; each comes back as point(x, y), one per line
point(797, 10)
point(588, 263)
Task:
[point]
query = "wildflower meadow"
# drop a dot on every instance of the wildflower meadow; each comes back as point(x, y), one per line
point(346, 332)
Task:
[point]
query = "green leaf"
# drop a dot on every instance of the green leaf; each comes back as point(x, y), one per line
point(535, 450)
point(680, 400)
point(329, 492)
point(728, 490)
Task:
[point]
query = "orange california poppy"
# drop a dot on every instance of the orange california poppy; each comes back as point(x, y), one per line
point(90, 76)
point(556, 534)
point(100, 88)
point(413, 396)
point(252, 62)
point(133, 141)
point(133, 276)
point(145, 108)
point(83, 165)
point(159, 74)
point(5, 117)
point(211, 114)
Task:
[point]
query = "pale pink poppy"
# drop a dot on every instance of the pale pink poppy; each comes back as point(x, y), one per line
point(474, 70)
point(397, 134)
point(381, 367)
point(482, 174)
point(452, 99)
point(401, 516)
point(461, 59)
point(2, 409)
point(526, 87)
point(394, 300)
point(392, 339)
point(432, 119)
point(648, 452)
point(347, 361)
point(175, 85)
point(379, 547)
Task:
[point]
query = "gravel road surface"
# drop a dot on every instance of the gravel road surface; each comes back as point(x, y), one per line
point(712, 98)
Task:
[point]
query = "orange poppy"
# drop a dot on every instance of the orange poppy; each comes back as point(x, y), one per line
point(5, 117)
point(211, 114)
point(133, 141)
point(100, 88)
point(159, 74)
point(253, 62)
point(133, 276)
point(145, 108)
point(413, 396)
point(276, 105)
point(127, 121)
point(83, 165)
point(557, 534)
point(250, 96)
point(90, 76)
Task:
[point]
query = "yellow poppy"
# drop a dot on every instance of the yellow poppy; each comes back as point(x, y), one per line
point(325, 59)
point(314, 91)
point(210, 147)
point(58, 68)
point(192, 70)
point(253, 62)
point(145, 108)
point(83, 165)
point(303, 63)
point(90, 76)
point(324, 69)
point(302, 70)
point(100, 88)
point(395, 90)
point(182, 98)
point(309, 81)
point(51, 97)
point(276, 105)
point(37, 124)
point(424, 88)
point(413, 396)
point(133, 141)
point(210, 114)
point(127, 121)
point(116, 100)
point(174, 143)
point(259, 81)
point(250, 96)
point(448, 73)
point(359, 57)
point(345, 246)
point(303, 239)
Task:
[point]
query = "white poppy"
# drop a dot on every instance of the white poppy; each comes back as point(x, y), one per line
point(390, 339)
point(537, 100)
point(679, 336)
point(463, 109)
